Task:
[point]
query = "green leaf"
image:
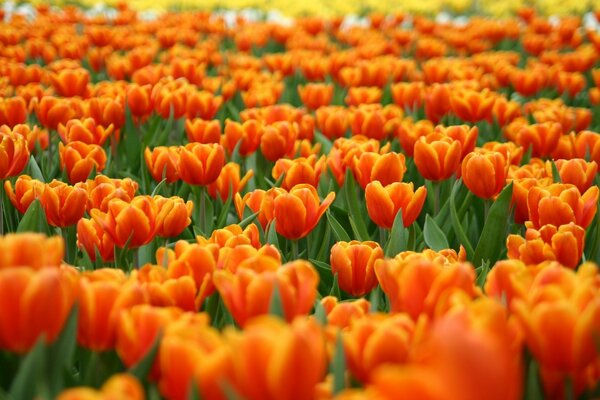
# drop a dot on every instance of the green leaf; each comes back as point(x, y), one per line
point(533, 385)
point(159, 187)
point(34, 170)
point(142, 368)
point(193, 392)
point(145, 254)
point(61, 352)
point(493, 236)
point(326, 144)
point(374, 299)
point(34, 219)
point(356, 214)
point(398, 237)
point(433, 235)
point(26, 384)
point(335, 288)
point(338, 366)
point(276, 304)
point(272, 237)
point(456, 224)
point(555, 174)
point(338, 230)
point(482, 273)
point(222, 218)
point(248, 220)
point(320, 314)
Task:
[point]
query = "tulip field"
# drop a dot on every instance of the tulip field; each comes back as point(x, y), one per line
point(388, 206)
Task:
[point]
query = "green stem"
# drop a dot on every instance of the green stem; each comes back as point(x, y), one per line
point(487, 203)
point(202, 210)
point(382, 236)
point(436, 197)
point(2, 208)
point(294, 249)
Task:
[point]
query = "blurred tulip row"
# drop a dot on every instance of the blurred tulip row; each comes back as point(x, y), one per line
point(404, 209)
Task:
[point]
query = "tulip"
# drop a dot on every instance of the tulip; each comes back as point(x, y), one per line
point(472, 106)
point(375, 340)
point(354, 264)
point(52, 111)
point(202, 104)
point(118, 386)
point(298, 212)
point(363, 95)
point(86, 131)
point(564, 244)
point(79, 159)
point(25, 192)
point(409, 133)
point(14, 154)
point(341, 314)
point(13, 111)
point(301, 170)
point(162, 163)
point(258, 201)
point(542, 138)
point(92, 238)
point(437, 159)
point(466, 135)
point(64, 205)
point(369, 121)
point(173, 215)
point(408, 95)
point(33, 303)
point(33, 250)
point(332, 121)
point(200, 164)
point(383, 203)
point(275, 360)
point(139, 100)
point(484, 173)
point(249, 133)
point(437, 102)
point(107, 111)
point(576, 172)
point(132, 224)
point(71, 82)
point(203, 131)
point(560, 204)
point(278, 140)
point(387, 168)
point(229, 183)
point(102, 189)
point(315, 95)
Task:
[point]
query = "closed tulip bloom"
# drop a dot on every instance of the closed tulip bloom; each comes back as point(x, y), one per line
point(341, 313)
point(33, 250)
point(564, 244)
point(332, 121)
point(229, 180)
point(132, 223)
point(315, 95)
point(512, 152)
point(376, 340)
point(278, 140)
point(52, 111)
point(203, 131)
point(200, 164)
point(14, 154)
point(465, 134)
point(437, 102)
point(484, 173)
point(71, 82)
point(280, 361)
point(363, 95)
point(260, 201)
point(25, 192)
point(92, 238)
point(173, 215)
point(560, 204)
point(34, 135)
point(298, 212)
point(249, 133)
point(472, 106)
point(383, 203)
point(369, 121)
point(162, 163)
point(408, 95)
point(86, 131)
point(202, 104)
point(354, 264)
point(386, 168)
point(33, 303)
point(588, 142)
point(437, 159)
point(13, 111)
point(139, 100)
point(118, 386)
point(102, 189)
point(79, 159)
point(409, 132)
point(542, 138)
point(299, 170)
point(106, 112)
point(64, 205)
point(576, 172)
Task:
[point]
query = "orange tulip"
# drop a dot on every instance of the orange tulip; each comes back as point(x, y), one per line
point(384, 203)
point(298, 212)
point(387, 168)
point(341, 314)
point(564, 244)
point(408, 95)
point(437, 158)
point(13, 111)
point(576, 172)
point(332, 121)
point(229, 183)
point(203, 131)
point(484, 173)
point(25, 192)
point(102, 189)
point(200, 164)
point(139, 100)
point(542, 138)
point(169, 101)
point(512, 152)
point(162, 163)
point(560, 204)
point(472, 106)
point(79, 159)
point(33, 250)
point(417, 285)
point(14, 154)
point(202, 104)
point(107, 111)
point(33, 303)
point(92, 238)
point(570, 82)
point(363, 95)
point(86, 131)
point(354, 264)
point(409, 133)
point(260, 201)
point(369, 341)
point(315, 95)
point(278, 140)
point(466, 135)
point(71, 82)
point(437, 102)
point(118, 386)
point(588, 142)
point(369, 121)
point(64, 205)
point(132, 223)
point(275, 360)
point(173, 215)
point(52, 111)
point(299, 170)
point(249, 133)
point(247, 293)
point(34, 136)
point(137, 329)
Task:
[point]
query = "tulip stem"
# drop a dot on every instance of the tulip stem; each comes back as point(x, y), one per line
point(486, 209)
point(382, 236)
point(2, 208)
point(201, 209)
point(294, 249)
point(436, 197)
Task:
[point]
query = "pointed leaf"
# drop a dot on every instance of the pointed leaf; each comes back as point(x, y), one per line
point(338, 366)
point(433, 235)
point(398, 237)
point(276, 304)
point(34, 219)
point(30, 374)
point(456, 224)
point(338, 230)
